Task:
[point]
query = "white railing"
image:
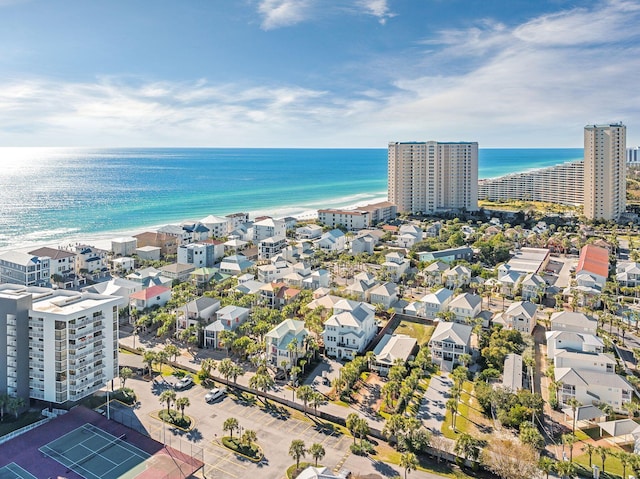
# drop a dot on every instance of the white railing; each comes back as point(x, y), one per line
point(22, 430)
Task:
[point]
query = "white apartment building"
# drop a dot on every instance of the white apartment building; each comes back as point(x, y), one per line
point(125, 246)
point(605, 171)
point(562, 184)
point(200, 255)
point(58, 346)
point(269, 228)
point(430, 176)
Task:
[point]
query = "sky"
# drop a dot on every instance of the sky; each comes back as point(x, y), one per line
point(316, 73)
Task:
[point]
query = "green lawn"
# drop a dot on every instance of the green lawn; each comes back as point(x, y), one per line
point(386, 453)
point(468, 415)
point(422, 332)
point(612, 465)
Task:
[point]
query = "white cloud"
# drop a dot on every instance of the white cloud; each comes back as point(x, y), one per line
point(377, 8)
point(283, 13)
point(527, 85)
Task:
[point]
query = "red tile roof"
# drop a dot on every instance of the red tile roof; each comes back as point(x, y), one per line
point(594, 259)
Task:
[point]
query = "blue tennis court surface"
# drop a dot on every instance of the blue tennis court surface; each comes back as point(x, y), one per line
point(13, 471)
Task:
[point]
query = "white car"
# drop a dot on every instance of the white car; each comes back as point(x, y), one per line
point(185, 382)
point(215, 394)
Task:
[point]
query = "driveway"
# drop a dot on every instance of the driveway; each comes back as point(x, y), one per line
point(433, 408)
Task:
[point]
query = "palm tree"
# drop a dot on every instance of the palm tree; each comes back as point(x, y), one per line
point(14, 404)
point(317, 399)
point(230, 424)
point(207, 366)
point(317, 452)
point(603, 452)
point(565, 468)
point(182, 403)
point(297, 451)
point(225, 367)
point(574, 404)
point(262, 381)
point(589, 449)
point(452, 407)
point(304, 393)
point(125, 373)
point(352, 424)
point(626, 459)
point(168, 396)
point(569, 440)
point(467, 447)
point(149, 357)
point(249, 436)
point(409, 462)
point(236, 371)
point(546, 465)
point(162, 358)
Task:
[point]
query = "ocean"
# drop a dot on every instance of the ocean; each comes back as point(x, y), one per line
point(51, 195)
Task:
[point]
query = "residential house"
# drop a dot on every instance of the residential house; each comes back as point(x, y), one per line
point(573, 321)
point(155, 296)
point(591, 387)
point(276, 269)
point(466, 307)
point(148, 253)
point(391, 350)
point(591, 273)
point(309, 232)
point(363, 244)
point(598, 362)
point(385, 294)
point(363, 282)
point(572, 341)
point(431, 304)
point(395, 265)
point(433, 272)
point(433, 230)
point(350, 329)
point(228, 318)
point(409, 235)
point(181, 235)
point(177, 271)
point(118, 287)
point(150, 276)
point(447, 255)
point(218, 226)
point(24, 269)
point(235, 265)
point(533, 287)
point(125, 246)
point(270, 247)
point(91, 259)
point(520, 316)
point(200, 255)
point(457, 277)
point(286, 343)
point(198, 231)
point(123, 264)
point(448, 342)
point(168, 244)
point(199, 311)
point(277, 295)
point(332, 241)
point(509, 280)
point(62, 263)
point(269, 228)
point(628, 274)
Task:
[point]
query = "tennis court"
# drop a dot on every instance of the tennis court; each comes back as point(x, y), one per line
point(13, 471)
point(95, 454)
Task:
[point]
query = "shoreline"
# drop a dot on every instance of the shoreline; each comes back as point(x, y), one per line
point(102, 240)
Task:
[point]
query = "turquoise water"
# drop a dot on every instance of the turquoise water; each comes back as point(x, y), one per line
point(48, 195)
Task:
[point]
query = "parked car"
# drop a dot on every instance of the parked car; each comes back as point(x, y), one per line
point(215, 394)
point(185, 382)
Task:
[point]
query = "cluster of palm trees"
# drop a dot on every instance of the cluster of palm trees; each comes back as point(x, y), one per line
point(170, 398)
point(310, 396)
point(298, 450)
point(459, 376)
point(247, 436)
point(11, 403)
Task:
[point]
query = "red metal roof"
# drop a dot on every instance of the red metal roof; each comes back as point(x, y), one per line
point(594, 259)
point(149, 292)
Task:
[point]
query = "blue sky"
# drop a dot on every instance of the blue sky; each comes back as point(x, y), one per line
point(316, 73)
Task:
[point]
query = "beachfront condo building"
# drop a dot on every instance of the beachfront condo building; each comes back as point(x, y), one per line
point(425, 177)
point(55, 345)
point(605, 169)
point(358, 218)
point(562, 184)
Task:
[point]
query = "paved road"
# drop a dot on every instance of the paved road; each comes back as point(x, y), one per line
point(433, 409)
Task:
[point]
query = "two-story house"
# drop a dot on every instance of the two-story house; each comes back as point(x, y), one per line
point(466, 307)
point(448, 342)
point(286, 343)
point(533, 287)
point(457, 277)
point(395, 265)
point(228, 318)
point(350, 329)
point(520, 316)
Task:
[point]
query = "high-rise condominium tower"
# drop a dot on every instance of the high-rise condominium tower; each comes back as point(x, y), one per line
point(605, 171)
point(430, 176)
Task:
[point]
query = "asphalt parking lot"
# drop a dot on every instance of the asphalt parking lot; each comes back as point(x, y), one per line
point(275, 427)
